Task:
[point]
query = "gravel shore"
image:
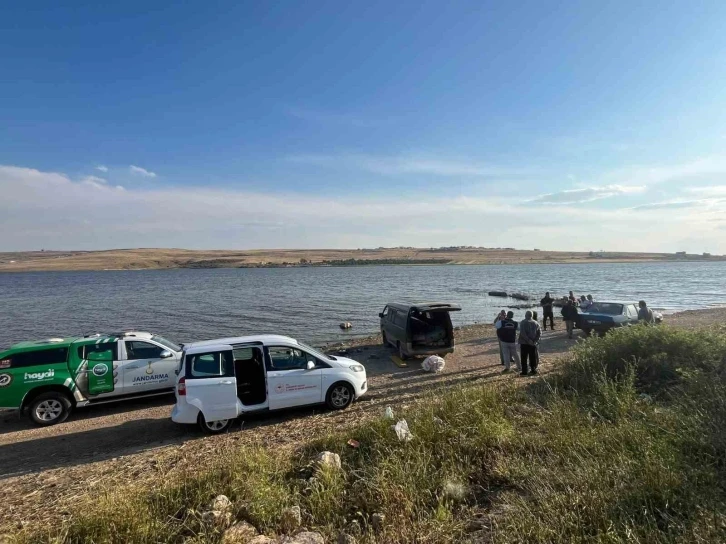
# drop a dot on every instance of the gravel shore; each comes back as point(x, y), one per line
point(47, 472)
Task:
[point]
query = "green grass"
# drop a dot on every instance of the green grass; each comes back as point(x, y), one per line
point(626, 443)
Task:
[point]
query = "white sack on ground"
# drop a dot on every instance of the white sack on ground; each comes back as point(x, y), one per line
point(434, 363)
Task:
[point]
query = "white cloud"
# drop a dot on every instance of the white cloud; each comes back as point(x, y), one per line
point(102, 168)
point(405, 165)
point(708, 191)
point(137, 170)
point(586, 194)
point(39, 210)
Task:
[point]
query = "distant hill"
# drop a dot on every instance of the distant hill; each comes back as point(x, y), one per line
point(150, 258)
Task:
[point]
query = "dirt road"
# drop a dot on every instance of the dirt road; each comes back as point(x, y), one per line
point(50, 470)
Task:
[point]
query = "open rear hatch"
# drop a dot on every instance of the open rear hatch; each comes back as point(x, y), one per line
point(431, 326)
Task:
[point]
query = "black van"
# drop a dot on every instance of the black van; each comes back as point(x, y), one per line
point(418, 329)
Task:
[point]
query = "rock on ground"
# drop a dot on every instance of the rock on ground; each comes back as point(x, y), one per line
point(261, 539)
point(239, 533)
point(217, 518)
point(221, 503)
point(305, 537)
point(291, 519)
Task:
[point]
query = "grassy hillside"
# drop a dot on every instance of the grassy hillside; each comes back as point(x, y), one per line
point(135, 259)
point(626, 443)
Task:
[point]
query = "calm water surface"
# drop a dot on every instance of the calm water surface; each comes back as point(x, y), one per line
point(309, 303)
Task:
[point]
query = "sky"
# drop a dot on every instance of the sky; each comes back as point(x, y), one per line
point(577, 126)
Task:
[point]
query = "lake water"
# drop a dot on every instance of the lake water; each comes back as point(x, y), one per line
point(309, 303)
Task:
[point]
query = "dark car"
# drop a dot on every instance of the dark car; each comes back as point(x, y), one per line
point(600, 317)
point(418, 329)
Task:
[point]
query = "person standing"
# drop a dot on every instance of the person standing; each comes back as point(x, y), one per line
point(547, 310)
point(529, 334)
point(501, 316)
point(507, 334)
point(572, 297)
point(583, 303)
point(645, 314)
point(569, 313)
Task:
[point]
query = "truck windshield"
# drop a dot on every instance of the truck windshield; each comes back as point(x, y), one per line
point(605, 308)
point(166, 343)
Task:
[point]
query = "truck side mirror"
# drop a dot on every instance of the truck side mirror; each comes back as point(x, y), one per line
point(165, 354)
point(380, 315)
point(310, 365)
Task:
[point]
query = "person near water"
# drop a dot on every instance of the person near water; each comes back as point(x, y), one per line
point(583, 302)
point(645, 314)
point(547, 310)
point(572, 297)
point(529, 334)
point(500, 317)
point(569, 314)
point(507, 334)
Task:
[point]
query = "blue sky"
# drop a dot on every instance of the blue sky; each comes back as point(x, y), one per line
point(571, 125)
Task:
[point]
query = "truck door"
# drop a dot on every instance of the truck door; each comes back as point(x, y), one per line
point(289, 380)
point(210, 382)
point(148, 367)
point(102, 353)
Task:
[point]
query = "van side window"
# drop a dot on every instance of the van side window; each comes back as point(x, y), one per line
point(83, 351)
point(210, 365)
point(284, 358)
point(392, 315)
point(632, 312)
point(40, 357)
point(401, 319)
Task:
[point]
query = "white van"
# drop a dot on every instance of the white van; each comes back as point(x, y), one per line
point(219, 380)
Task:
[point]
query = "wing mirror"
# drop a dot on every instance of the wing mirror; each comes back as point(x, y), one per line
point(380, 315)
point(165, 354)
point(310, 365)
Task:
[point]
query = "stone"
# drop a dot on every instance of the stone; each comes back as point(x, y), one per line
point(240, 533)
point(345, 538)
point(306, 537)
point(220, 520)
point(261, 539)
point(328, 459)
point(377, 520)
point(221, 503)
point(291, 519)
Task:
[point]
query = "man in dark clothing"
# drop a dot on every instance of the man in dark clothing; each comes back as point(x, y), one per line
point(507, 334)
point(569, 313)
point(529, 334)
point(547, 311)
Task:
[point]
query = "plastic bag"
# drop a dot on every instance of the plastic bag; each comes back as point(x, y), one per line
point(434, 363)
point(402, 431)
point(389, 413)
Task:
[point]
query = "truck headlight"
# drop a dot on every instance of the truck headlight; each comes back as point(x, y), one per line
point(357, 368)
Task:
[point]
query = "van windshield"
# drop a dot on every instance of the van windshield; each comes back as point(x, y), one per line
point(316, 352)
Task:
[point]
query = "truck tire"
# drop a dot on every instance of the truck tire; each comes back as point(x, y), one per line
point(213, 427)
point(50, 408)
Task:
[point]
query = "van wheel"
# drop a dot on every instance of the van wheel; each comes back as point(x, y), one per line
point(385, 338)
point(50, 408)
point(213, 427)
point(339, 396)
point(401, 354)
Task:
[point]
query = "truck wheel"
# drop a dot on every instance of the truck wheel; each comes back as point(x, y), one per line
point(50, 408)
point(213, 427)
point(339, 396)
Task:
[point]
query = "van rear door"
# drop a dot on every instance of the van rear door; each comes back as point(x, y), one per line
point(211, 385)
